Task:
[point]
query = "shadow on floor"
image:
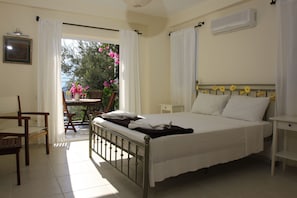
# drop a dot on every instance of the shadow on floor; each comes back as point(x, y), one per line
point(81, 134)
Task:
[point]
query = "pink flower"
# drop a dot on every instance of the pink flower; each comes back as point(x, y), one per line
point(100, 49)
point(77, 89)
point(116, 55)
point(116, 61)
point(111, 54)
point(106, 84)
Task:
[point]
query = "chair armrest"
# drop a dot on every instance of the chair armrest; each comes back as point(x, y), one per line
point(36, 113)
point(45, 114)
point(15, 117)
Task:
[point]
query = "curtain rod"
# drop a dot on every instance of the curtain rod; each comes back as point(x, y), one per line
point(93, 27)
point(196, 26)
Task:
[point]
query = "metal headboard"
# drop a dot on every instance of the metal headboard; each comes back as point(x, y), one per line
point(254, 90)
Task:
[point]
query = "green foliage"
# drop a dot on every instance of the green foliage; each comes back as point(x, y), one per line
point(87, 65)
point(91, 64)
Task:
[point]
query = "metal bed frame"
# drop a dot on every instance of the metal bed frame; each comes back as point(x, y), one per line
point(122, 153)
point(131, 157)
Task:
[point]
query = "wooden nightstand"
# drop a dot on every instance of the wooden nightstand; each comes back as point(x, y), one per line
point(169, 108)
point(286, 123)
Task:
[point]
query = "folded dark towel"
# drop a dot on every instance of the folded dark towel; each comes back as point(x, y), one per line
point(153, 133)
point(173, 130)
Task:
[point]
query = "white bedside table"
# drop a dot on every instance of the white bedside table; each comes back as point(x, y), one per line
point(287, 123)
point(169, 108)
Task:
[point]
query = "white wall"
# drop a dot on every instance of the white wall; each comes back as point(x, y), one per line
point(245, 56)
point(20, 79)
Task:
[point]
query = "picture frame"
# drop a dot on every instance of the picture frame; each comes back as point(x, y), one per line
point(17, 50)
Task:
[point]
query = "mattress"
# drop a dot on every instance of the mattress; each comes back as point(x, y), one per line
point(215, 140)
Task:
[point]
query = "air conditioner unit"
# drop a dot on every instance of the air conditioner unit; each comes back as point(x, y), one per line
point(236, 21)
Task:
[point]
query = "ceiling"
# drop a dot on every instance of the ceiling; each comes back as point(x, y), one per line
point(164, 8)
point(176, 11)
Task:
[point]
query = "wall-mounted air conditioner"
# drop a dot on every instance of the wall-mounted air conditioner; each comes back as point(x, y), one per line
point(236, 21)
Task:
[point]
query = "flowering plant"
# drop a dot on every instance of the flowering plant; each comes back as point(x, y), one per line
point(76, 88)
point(113, 55)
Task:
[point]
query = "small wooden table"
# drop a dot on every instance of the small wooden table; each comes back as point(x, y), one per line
point(170, 108)
point(286, 123)
point(84, 102)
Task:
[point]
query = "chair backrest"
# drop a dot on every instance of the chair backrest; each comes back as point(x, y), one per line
point(95, 94)
point(65, 109)
point(110, 102)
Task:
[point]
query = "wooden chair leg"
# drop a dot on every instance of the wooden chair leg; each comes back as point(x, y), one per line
point(46, 144)
point(71, 124)
point(27, 155)
point(18, 167)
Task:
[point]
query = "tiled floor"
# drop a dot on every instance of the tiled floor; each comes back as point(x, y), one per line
point(68, 172)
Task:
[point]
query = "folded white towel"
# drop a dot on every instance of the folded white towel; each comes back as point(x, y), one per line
point(146, 124)
point(118, 114)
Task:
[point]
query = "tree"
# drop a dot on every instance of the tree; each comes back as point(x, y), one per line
point(90, 63)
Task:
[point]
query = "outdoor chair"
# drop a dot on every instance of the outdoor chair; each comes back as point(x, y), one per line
point(68, 123)
point(11, 145)
point(109, 105)
point(15, 122)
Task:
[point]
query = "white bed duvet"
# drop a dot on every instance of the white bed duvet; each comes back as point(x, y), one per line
point(215, 140)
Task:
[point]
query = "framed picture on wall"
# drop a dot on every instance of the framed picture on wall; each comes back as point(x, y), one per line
point(17, 50)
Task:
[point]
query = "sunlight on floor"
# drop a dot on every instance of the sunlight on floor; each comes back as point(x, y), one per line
point(85, 179)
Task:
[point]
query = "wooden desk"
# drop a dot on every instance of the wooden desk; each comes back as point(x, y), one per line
point(84, 102)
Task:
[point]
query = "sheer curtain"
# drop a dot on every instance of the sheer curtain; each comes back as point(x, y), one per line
point(183, 64)
point(286, 70)
point(129, 72)
point(49, 91)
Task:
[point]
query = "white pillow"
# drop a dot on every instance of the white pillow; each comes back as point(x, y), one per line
point(209, 104)
point(246, 108)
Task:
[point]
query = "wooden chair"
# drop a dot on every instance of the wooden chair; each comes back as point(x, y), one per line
point(11, 145)
point(110, 102)
point(15, 122)
point(109, 106)
point(68, 123)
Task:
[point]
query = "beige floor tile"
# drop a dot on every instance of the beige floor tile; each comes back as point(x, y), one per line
point(68, 172)
point(81, 181)
point(105, 191)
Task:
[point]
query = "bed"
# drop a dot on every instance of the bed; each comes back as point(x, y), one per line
point(227, 122)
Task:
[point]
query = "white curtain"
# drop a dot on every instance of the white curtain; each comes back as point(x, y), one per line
point(129, 72)
point(183, 64)
point(49, 91)
point(286, 69)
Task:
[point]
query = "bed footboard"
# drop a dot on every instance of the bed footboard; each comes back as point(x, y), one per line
point(128, 156)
